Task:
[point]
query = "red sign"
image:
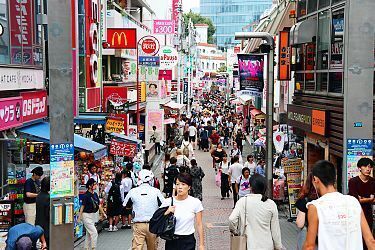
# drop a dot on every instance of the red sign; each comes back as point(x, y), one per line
point(21, 31)
point(91, 45)
point(122, 38)
point(284, 60)
point(112, 93)
point(10, 112)
point(123, 148)
point(175, 12)
point(93, 98)
point(34, 105)
point(150, 45)
point(165, 74)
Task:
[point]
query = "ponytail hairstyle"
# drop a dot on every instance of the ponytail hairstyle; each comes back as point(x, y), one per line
point(258, 185)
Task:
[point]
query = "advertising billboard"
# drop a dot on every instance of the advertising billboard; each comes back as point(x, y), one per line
point(251, 73)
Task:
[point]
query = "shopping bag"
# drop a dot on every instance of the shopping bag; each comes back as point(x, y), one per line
point(238, 242)
point(218, 178)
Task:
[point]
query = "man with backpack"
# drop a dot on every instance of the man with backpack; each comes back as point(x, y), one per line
point(187, 147)
point(204, 140)
point(114, 201)
point(146, 200)
point(170, 175)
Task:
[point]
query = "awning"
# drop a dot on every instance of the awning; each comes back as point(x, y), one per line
point(41, 132)
point(174, 105)
point(90, 119)
point(255, 112)
point(303, 32)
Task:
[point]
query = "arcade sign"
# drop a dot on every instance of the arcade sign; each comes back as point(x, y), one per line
point(168, 57)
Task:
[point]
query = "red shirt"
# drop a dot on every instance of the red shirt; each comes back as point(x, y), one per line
point(215, 138)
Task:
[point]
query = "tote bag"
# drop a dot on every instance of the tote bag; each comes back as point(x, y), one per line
point(239, 242)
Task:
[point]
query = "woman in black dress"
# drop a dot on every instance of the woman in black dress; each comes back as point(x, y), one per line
point(218, 155)
point(42, 208)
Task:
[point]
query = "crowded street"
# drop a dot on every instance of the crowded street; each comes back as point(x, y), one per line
point(187, 124)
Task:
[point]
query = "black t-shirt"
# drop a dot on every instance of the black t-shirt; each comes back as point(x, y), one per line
point(91, 202)
point(30, 186)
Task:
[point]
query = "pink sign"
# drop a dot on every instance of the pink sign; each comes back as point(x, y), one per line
point(155, 118)
point(175, 11)
point(10, 112)
point(34, 105)
point(164, 26)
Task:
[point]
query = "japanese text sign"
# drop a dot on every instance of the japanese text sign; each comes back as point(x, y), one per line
point(62, 170)
point(122, 38)
point(34, 105)
point(164, 26)
point(21, 25)
point(284, 52)
point(357, 149)
point(120, 148)
point(6, 215)
point(152, 61)
point(114, 125)
point(10, 112)
point(168, 57)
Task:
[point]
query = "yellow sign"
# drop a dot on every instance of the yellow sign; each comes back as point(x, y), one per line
point(114, 125)
point(143, 91)
point(292, 165)
point(119, 40)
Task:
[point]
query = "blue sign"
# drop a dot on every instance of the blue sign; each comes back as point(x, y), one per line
point(151, 61)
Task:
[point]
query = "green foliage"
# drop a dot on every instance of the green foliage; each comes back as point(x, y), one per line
point(197, 18)
point(222, 69)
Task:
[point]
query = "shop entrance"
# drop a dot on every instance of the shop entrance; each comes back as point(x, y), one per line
point(315, 153)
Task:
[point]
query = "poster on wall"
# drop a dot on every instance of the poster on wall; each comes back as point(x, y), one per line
point(357, 149)
point(251, 73)
point(293, 170)
point(132, 131)
point(62, 170)
point(152, 90)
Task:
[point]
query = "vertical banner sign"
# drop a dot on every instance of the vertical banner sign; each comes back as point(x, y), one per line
point(310, 60)
point(120, 148)
point(62, 170)
point(185, 92)
point(175, 12)
point(251, 73)
point(284, 57)
point(21, 31)
point(164, 26)
point(293, 171)
point(10, 113)
point(357, 149)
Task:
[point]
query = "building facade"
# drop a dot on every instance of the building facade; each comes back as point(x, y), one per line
point(230, 16)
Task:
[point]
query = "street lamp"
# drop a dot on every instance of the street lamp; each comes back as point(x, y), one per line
point(269, 105)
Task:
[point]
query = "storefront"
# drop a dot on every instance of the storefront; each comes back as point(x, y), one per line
point(172, 114)
point(312, 125)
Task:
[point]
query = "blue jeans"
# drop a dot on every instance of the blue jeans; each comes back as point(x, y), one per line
point(226, 141)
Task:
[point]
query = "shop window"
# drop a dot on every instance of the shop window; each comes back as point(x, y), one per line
point(323, 3)
point(321, 82)
point(82, 72)
point(310, 82)
point(311, 6)
point(337, 39)
point(299, 80)
point(4, 39)
point(323, 40)
point(81, 34)
point(301, 7)
point(310, 56)
point(335, 82)
point(298, 57)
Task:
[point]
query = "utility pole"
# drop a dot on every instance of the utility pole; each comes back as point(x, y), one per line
point(358, 84)
point(179, 35)
point(269, 116)
point(61, 116)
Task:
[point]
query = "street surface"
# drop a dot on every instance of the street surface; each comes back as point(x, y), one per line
point(215, 216)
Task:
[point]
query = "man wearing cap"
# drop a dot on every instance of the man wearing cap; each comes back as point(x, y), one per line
point(30, 192)
point(146, 200)
point(24, 236)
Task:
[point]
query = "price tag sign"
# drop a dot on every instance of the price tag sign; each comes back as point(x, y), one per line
point(164, 27)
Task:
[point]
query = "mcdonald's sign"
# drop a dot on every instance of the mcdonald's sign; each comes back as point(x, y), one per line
point(122, 38)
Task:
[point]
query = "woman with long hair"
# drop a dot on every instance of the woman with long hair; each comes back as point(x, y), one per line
point(307, 194)
point(188, 211)
point(217, 155)
point(225, 179)
point(257, 217)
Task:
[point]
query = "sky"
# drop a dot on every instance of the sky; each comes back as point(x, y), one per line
point(161, 6)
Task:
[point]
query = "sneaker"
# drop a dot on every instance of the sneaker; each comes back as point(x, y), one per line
point(110, 229)
point(115, 229)
point(222, 198)
point(128, 227)
point(123, 227)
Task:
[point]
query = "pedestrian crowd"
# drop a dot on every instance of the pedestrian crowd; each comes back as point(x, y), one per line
point(327, 219)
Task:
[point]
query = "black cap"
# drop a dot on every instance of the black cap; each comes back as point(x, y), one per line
point(37, 171)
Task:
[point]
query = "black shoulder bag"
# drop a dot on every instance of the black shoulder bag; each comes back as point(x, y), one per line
point(163, 225)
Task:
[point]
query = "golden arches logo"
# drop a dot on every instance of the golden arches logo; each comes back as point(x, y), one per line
point(119, 38)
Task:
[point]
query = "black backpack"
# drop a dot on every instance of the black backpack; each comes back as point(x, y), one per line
point(114, 194)
point(172, 172)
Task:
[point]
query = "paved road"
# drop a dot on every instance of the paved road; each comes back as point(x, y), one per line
point(215, 216)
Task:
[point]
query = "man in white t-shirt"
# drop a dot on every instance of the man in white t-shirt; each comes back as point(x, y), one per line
point(193, 134)
point(336, 219)
point(235, 171)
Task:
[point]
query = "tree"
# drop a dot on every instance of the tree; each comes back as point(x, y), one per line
point(197, 18)
point(222, 69)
